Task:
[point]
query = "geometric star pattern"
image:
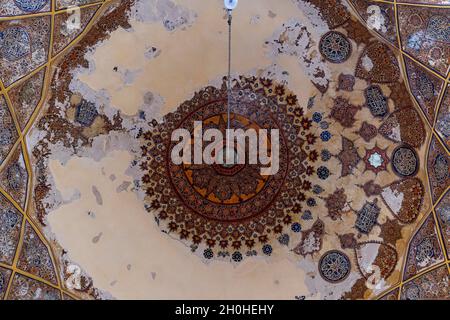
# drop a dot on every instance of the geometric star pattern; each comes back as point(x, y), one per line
point(440, 73)
point(12, 276)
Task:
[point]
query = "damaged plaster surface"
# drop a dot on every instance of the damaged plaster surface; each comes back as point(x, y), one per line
point(165, 51)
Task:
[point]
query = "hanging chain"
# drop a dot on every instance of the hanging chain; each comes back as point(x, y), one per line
point(229, 79)
point(229, 66)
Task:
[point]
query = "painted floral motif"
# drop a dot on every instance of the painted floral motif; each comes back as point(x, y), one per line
point(222, 207)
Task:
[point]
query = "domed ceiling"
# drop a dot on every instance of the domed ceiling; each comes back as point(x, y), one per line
point(93, 207)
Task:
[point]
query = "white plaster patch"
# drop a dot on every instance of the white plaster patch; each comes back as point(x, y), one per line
point(395, 133)
point(366, 255)
point(169, 13)
point(367, 63)
point(376, 20)
point(393, 198)
point(311, 244)
point(321, 289)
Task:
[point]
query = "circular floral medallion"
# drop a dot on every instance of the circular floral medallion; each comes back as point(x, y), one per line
point(335, 47)
point(228, 192)
point(14, 43)
point(30, 5)
point(229, 207)
point(334, 266)
point(405, 161)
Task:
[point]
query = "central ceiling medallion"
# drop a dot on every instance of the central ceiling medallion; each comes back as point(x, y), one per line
point(223, 210)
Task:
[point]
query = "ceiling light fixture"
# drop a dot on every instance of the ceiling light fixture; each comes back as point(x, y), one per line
point(230, 5)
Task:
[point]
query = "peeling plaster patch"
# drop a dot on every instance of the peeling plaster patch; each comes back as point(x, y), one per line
point(367, 63)
point(77, 278)
point(101, 147)
point(394, 199)
point(313, 14)
point(128, 76)
point(115, 141)
point(376, 19)
point(148, 98)
point(274, 71)
point(299, 50)
point(311, 244)
point(366, 257)
point(152, 106)
point(294, 39)
point(152, 103)
point(55, 198)
point(395, 133)
point(171, 15)
point(152, 52)
point(100, 98)
point(319, 288)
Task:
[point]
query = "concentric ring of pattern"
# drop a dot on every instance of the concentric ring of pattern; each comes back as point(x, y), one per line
point(334, 266)
point(405, 161)
point(335, 47)
point(229, 208)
